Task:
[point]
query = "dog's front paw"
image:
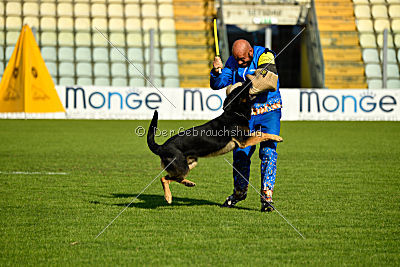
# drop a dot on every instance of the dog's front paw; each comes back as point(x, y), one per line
point(276, 138)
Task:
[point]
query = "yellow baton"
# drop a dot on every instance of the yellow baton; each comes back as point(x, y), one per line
point(216, 42)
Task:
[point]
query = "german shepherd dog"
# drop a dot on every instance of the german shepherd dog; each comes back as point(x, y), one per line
point(221, 135)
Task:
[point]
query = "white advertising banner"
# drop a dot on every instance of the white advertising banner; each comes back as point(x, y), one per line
point(97, 102)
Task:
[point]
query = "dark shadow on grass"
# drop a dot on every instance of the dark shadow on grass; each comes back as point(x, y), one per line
point(149, 201)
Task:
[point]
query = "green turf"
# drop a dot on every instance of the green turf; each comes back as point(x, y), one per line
point(337, 182)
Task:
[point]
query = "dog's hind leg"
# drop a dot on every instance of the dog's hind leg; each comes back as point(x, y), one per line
point(167, 192)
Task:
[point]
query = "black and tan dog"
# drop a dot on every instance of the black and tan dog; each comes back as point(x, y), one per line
point(216, 137)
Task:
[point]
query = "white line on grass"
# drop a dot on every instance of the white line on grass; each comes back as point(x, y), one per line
point(270, 204)
point(127, 206)
point(34, 173)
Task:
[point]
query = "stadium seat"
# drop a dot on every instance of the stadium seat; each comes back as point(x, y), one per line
point(136, 82)
point(170, 70)
point(13, 8)
point(156, 70)
point(118, 70)
point(389, 40)
point(52, 68)
point(149, 23)
point(115, 55)
point(165, 10)
point(67, 69)
point(132, 10)
point(381, 24)
point(135, 54)
point(84, 69)
point(358, 2)
point(149, 10)
point(397, 40)
point(119, 82)
point(115, 10)
point(82, 10)
point(100, 54)
point(394, 11)
point(364, 25)
point(2, 9)
point(171, 82)
point(367, 40)
point(48, 9)
point(136, 70)
point(146, 38)
point(134, 39)
point(167, 24)
point(101, 69)
point(393, 84)
point(2, 38)
point(168, 39)
point(48, 24)
point(157, 82)
point(398, 55)
point(379, 11)
point(83, 54)
point(396, 25)
point(31, 21)
point(133, 24)
point(99, 10)
point(48, 38)
point(370, 55)
point(377, 1)
point(1, 55)
point(65, 9)
point(156, 55)
point(116, 24)
point(391, 55)
point(98, 39)
point(102, 81)
point(83, 39)
point(65, 24)
point(31, 9)
point(66, 39)
point(169, 55)
point(66, 54)
point(82, 81)
point(373, 71)
point(12, 37)
point(1, 69)
point(374, 84)
point(117, 39)
point(9, 51)
point(66, 81)
point(362, 11)
point(101, 24)
point(13, 23)
point(392, 71)
point(82, 24)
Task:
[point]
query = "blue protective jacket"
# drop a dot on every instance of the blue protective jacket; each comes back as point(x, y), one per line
point(232, 74)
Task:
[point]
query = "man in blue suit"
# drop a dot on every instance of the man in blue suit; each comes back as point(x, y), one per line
point(257, 64)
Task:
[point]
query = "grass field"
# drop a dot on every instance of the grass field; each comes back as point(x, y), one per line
point(337, 182)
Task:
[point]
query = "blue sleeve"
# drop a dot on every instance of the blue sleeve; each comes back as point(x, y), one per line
point(221, 80)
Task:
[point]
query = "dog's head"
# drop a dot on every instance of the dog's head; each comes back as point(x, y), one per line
point(238, 101)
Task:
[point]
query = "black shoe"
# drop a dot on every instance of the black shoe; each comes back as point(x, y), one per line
point(232, 200)
point(267, 206)
point(266, 201)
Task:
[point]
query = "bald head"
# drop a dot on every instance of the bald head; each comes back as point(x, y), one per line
point(242, 52)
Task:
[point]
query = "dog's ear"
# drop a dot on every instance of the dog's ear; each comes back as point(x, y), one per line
point(233, 97)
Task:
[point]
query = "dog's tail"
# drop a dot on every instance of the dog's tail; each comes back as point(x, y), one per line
point(154, 147)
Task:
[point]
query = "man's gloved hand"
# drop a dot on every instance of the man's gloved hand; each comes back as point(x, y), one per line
point(232, 87)
point(262, 81)
point(217, 64)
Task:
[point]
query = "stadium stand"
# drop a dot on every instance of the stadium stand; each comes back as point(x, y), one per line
point(372, 18)
point(76, 53)
point(341, 43)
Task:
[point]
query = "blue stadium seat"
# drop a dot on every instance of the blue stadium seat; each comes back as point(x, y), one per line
point(84, 81)
point(66, 54)
point(67, 69)
point(118, 70)
point(83, 54)
point(49, 53)
point(102, 81)
point(66, 81)
point(101, 69)
point(119, 82)
point(100, 54)
point(84, 69)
